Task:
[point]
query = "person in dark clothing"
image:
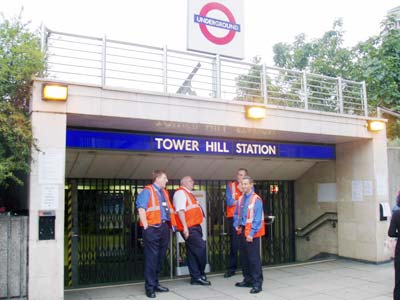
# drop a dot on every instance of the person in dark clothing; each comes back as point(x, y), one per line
point(394, 230)
point(157, 217)
point(248, 220)
point(397, 205)
point(233, 193)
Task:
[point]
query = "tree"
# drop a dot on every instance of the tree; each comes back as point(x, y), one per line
point(15, 143)
point(248, 86)
point(375, 61)
point(378, 63)
point(20, 60)
point(325, 55)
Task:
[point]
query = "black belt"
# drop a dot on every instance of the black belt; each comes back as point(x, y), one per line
point(158, 225)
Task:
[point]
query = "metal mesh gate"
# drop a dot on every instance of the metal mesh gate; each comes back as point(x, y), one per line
point(103, 239)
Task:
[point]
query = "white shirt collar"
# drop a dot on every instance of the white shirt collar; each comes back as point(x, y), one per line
point(186, 189)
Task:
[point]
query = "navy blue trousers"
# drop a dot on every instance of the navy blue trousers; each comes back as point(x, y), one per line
point(396, 291)
point(196, 252)
point(251, 261)
point(156, 241)
point(234, 239)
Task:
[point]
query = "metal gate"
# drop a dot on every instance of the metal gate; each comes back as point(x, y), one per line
point(103, 239)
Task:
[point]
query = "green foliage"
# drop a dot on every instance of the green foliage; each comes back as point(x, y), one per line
point(249, 85)
point(15, 143)
point(394, 142)
point(324, 55)
point(20, 60)
point(375, 61)
point(379, 65)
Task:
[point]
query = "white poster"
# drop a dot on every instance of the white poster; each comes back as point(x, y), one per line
point(382, 186)
point(327, 192)
point(386, 211)
point(51, 167)
point(368, 188)
point(357, 190)
point(49, 197)
point(216, 27)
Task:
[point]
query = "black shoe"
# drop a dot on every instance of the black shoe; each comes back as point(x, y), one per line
point(255, 290)
point(204, 277)
point(199, 281)
point(161, 289)
point(150, 294)
point(229, 274)
point(243, 284)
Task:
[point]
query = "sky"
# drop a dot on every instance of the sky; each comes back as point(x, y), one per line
point(163, 22)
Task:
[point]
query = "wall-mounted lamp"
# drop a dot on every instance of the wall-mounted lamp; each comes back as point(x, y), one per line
point(255, 112)
point(375, 125)
point(54, 92)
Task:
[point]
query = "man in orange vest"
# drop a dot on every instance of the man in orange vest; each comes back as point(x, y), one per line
point(189, 218)
point(233, 192)
point(157, 216)
point(249, 224)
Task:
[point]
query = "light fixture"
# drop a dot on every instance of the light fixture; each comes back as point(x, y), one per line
point(54, 92)
point(255, 112)
point(375, 125)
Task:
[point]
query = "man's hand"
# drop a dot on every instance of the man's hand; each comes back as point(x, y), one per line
point(143, 218)
point(239, 230)
point(185, 233)
point(249, 239)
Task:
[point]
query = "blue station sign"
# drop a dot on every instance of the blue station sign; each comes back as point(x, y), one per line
point(105, 140)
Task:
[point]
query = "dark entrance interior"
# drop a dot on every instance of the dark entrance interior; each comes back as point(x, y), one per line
point(103, 239)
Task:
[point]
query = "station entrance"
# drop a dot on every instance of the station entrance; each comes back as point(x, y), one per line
point(103, 239)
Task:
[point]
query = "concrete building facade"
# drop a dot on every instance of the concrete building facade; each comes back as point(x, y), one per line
point(352, 184)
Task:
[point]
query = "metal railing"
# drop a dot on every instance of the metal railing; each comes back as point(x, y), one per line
point(106, 238)
point(315, 224)
point(111, 63)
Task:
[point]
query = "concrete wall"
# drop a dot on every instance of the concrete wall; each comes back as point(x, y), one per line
point(13, 256)
point(92, 106)
point(394, 173)
point(46, 188)
point(307, 209)
point(360, 233)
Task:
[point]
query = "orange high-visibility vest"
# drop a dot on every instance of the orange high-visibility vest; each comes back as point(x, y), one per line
point(250, 216)
point(193, 212)
point(236, 193)
point(153, 212)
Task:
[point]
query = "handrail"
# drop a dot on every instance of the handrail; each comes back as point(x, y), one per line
point(317, 223)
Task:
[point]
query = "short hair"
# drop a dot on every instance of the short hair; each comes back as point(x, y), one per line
point(243, 169)
point(251, 180)
point(184, 178)
point(156, 174)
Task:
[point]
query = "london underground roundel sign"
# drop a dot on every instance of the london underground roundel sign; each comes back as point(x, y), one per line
point(230, 26)
point(216, 27)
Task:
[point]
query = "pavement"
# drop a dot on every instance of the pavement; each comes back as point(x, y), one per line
point(336, 279)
